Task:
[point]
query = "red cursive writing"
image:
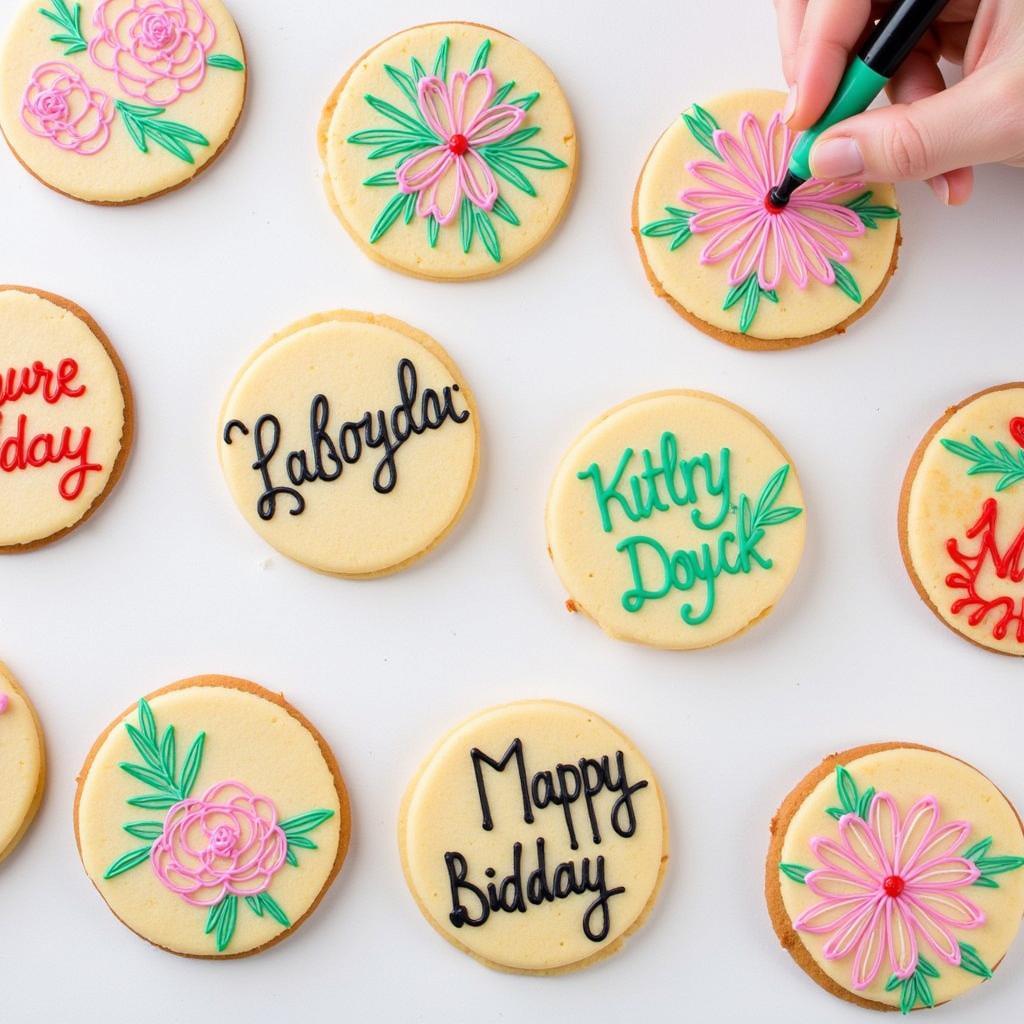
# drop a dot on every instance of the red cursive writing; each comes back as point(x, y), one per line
point(56, 384)
point(20, 452)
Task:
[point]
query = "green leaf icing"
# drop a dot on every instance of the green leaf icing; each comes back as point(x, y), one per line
point(972, 963)
point(69, 20)
point(225, 61)
point(845, 281)
point(996, 459)
point(146, 124)
point(127, 862)
point(795, 872)
point(702, 127)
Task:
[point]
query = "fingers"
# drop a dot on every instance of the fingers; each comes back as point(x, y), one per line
point(790, 17)
point(830, 31)
point(974, 122)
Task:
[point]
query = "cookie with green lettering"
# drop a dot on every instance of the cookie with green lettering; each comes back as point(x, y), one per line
point(676, 520)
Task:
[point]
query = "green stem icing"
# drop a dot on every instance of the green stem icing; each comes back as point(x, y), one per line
point(796, 872)
point(870, 214)
point(851, 800)
point(703, 127)
point(69, 20)
point(989, 866)
point(915, 989)
point(146, 124)
point(225, 61)
point(751, 292)
point(997, 459)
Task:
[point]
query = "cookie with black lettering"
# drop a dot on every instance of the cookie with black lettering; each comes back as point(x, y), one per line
point(350, 443)
point(22, 763)
point(535, 838)
point(676, 520)
point(66, 420)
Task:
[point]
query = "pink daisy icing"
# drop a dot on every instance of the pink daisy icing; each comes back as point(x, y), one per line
point(889, 885)
point(463, 117)
point(731, 205)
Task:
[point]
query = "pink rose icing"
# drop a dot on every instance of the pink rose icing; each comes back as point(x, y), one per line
point(60, 105)
point(463, 117)
point(226, 842)
point(890, 885)
point(157, 48)
point(731, 205)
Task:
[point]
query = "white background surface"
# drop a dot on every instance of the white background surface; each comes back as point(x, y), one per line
point(168, 581)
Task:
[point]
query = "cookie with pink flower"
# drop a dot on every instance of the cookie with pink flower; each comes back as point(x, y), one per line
point(117, 101)
point(212, 817)
point(895, 876)
point(736, 266)
point(449, 151)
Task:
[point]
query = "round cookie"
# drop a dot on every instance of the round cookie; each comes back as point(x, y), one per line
point(534, 837)
point(449, 151)
point(675, 520)
point(66, 418)
point(118, 101)
point(894, 876)
point(212, 818)
point(737, 268)
point(22, 763)
point(961, 519)
point(350, 443)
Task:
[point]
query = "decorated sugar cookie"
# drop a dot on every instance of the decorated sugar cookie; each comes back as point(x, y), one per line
point(117, 101)
point(349, 442)
point(65, 418)
point(738, 268)
point(449, 151)
point(22, 763)
point(962, 519)
point(675, 520)
point(894, 876)
point(534, 837)
point(212, 818)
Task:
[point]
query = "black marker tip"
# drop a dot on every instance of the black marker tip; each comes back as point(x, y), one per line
point(782, 193)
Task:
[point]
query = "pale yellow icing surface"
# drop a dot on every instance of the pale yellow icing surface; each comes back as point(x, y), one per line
point(33, 329)
point(701, 288)
point(963, 794)
point(442, 813)
point(347, 527)
point(597, 575)
point(119, 172)
point(405, 247)
point(21, 763)
point(944, 503)
point(249, 740)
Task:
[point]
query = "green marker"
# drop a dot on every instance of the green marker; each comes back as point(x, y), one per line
point(898, 32)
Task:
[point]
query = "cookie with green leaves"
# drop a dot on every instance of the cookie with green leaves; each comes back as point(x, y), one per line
point(212, 817)
point(895, 876)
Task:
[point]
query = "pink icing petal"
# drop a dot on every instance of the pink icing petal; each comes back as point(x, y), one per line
point(939, 843)
point(934, 932)
point(422, 170)
point(902, 941)
point(442, 197)
point(495, 124)
point(839, 857)
point(850, 931)
point(861, 841)
point(757, 153)
point(471, 96)
point(739, 161)
point(730, 238)
point(718, 215)
point(946, 906)
point(839, 884)
point(826, 245)
point(918, 824)
point(780, 143)
point(884, 819)
point(769, 266)
point(719, 178)
point(832, 914)
point(792, 254)
point(477, 180)
point(943, 873)
point(813, 259)
point(837, 220)
point(749, 252)
point(435, 104)
point(870, 950)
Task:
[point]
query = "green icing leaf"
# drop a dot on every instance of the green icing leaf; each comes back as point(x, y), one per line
point(271, 906)
point(127, 862)
point(871, 214)
point(835, 812)
point(410, 207)
point(441, 60)
point(924, 990)
point(418, 70)
point(145, 829)
point(526, 101)
point(145, 125)
point(499, 96)
point(255, 905)
point(972, 963)
point(864, 804)
point(405, 83)
point(432, 231)
point(153, 803)
point(999, 865)
point(394, 114)
point(480, 60)
point(845, 281)
point(925, 967)
point(168, 754)
point(291, 858)
point(488, 235)
point(702, 127)
point(795, 872)
point(193, 760)
point(979, 849)
point(518, 138)
point(144, 775)
point(995, 460)
point(676, 224)
point(507, 170)
point(384, 178)
point(892, 984)
point(986, 883)
point(226, 922)
point(225, 61)
point(847, 790)
point(216, 912)
point(391, 212)
point(144, 745)
point(533, 157)
point(302, 842)
point(147, 722)
point(378, 136)
point(467, 224)
point(70, 20)
point(751, 300)
point(505, 212)
point(765, 513)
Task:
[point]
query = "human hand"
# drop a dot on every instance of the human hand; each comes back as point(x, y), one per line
point(930, 132)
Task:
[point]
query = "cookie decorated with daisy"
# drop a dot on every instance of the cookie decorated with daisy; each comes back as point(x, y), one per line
point(962, 519)
point(895, 876)
point(117, 101)
point(736, 266)
point(212, 817)
point(449, 151)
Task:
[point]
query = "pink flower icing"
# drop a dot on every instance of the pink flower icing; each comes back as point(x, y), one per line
point(462, 116)
point(889, 885)
point(226, 842)
point(5, 703)
point(60, 105)
point(801, 238)
point(157, 48)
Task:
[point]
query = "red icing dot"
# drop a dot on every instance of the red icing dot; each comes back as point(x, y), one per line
point(770, 206)
point(893, 886)
point(458, 144)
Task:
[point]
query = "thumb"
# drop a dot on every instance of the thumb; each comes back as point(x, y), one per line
point(971, 123)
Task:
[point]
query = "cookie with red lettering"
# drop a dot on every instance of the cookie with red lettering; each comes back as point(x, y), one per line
point(65, 418)
point(449, 152)
point(675, 520)
point(212, 818)
point(961, 519)
point(535, 838)
point(739, 268)
point(895, 876)
point(118, 101)
point(350, 443)
point(22, 763)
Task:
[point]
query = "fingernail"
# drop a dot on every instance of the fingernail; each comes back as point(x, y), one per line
point(940, 186)
point(836, 158)
point(790, 108)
